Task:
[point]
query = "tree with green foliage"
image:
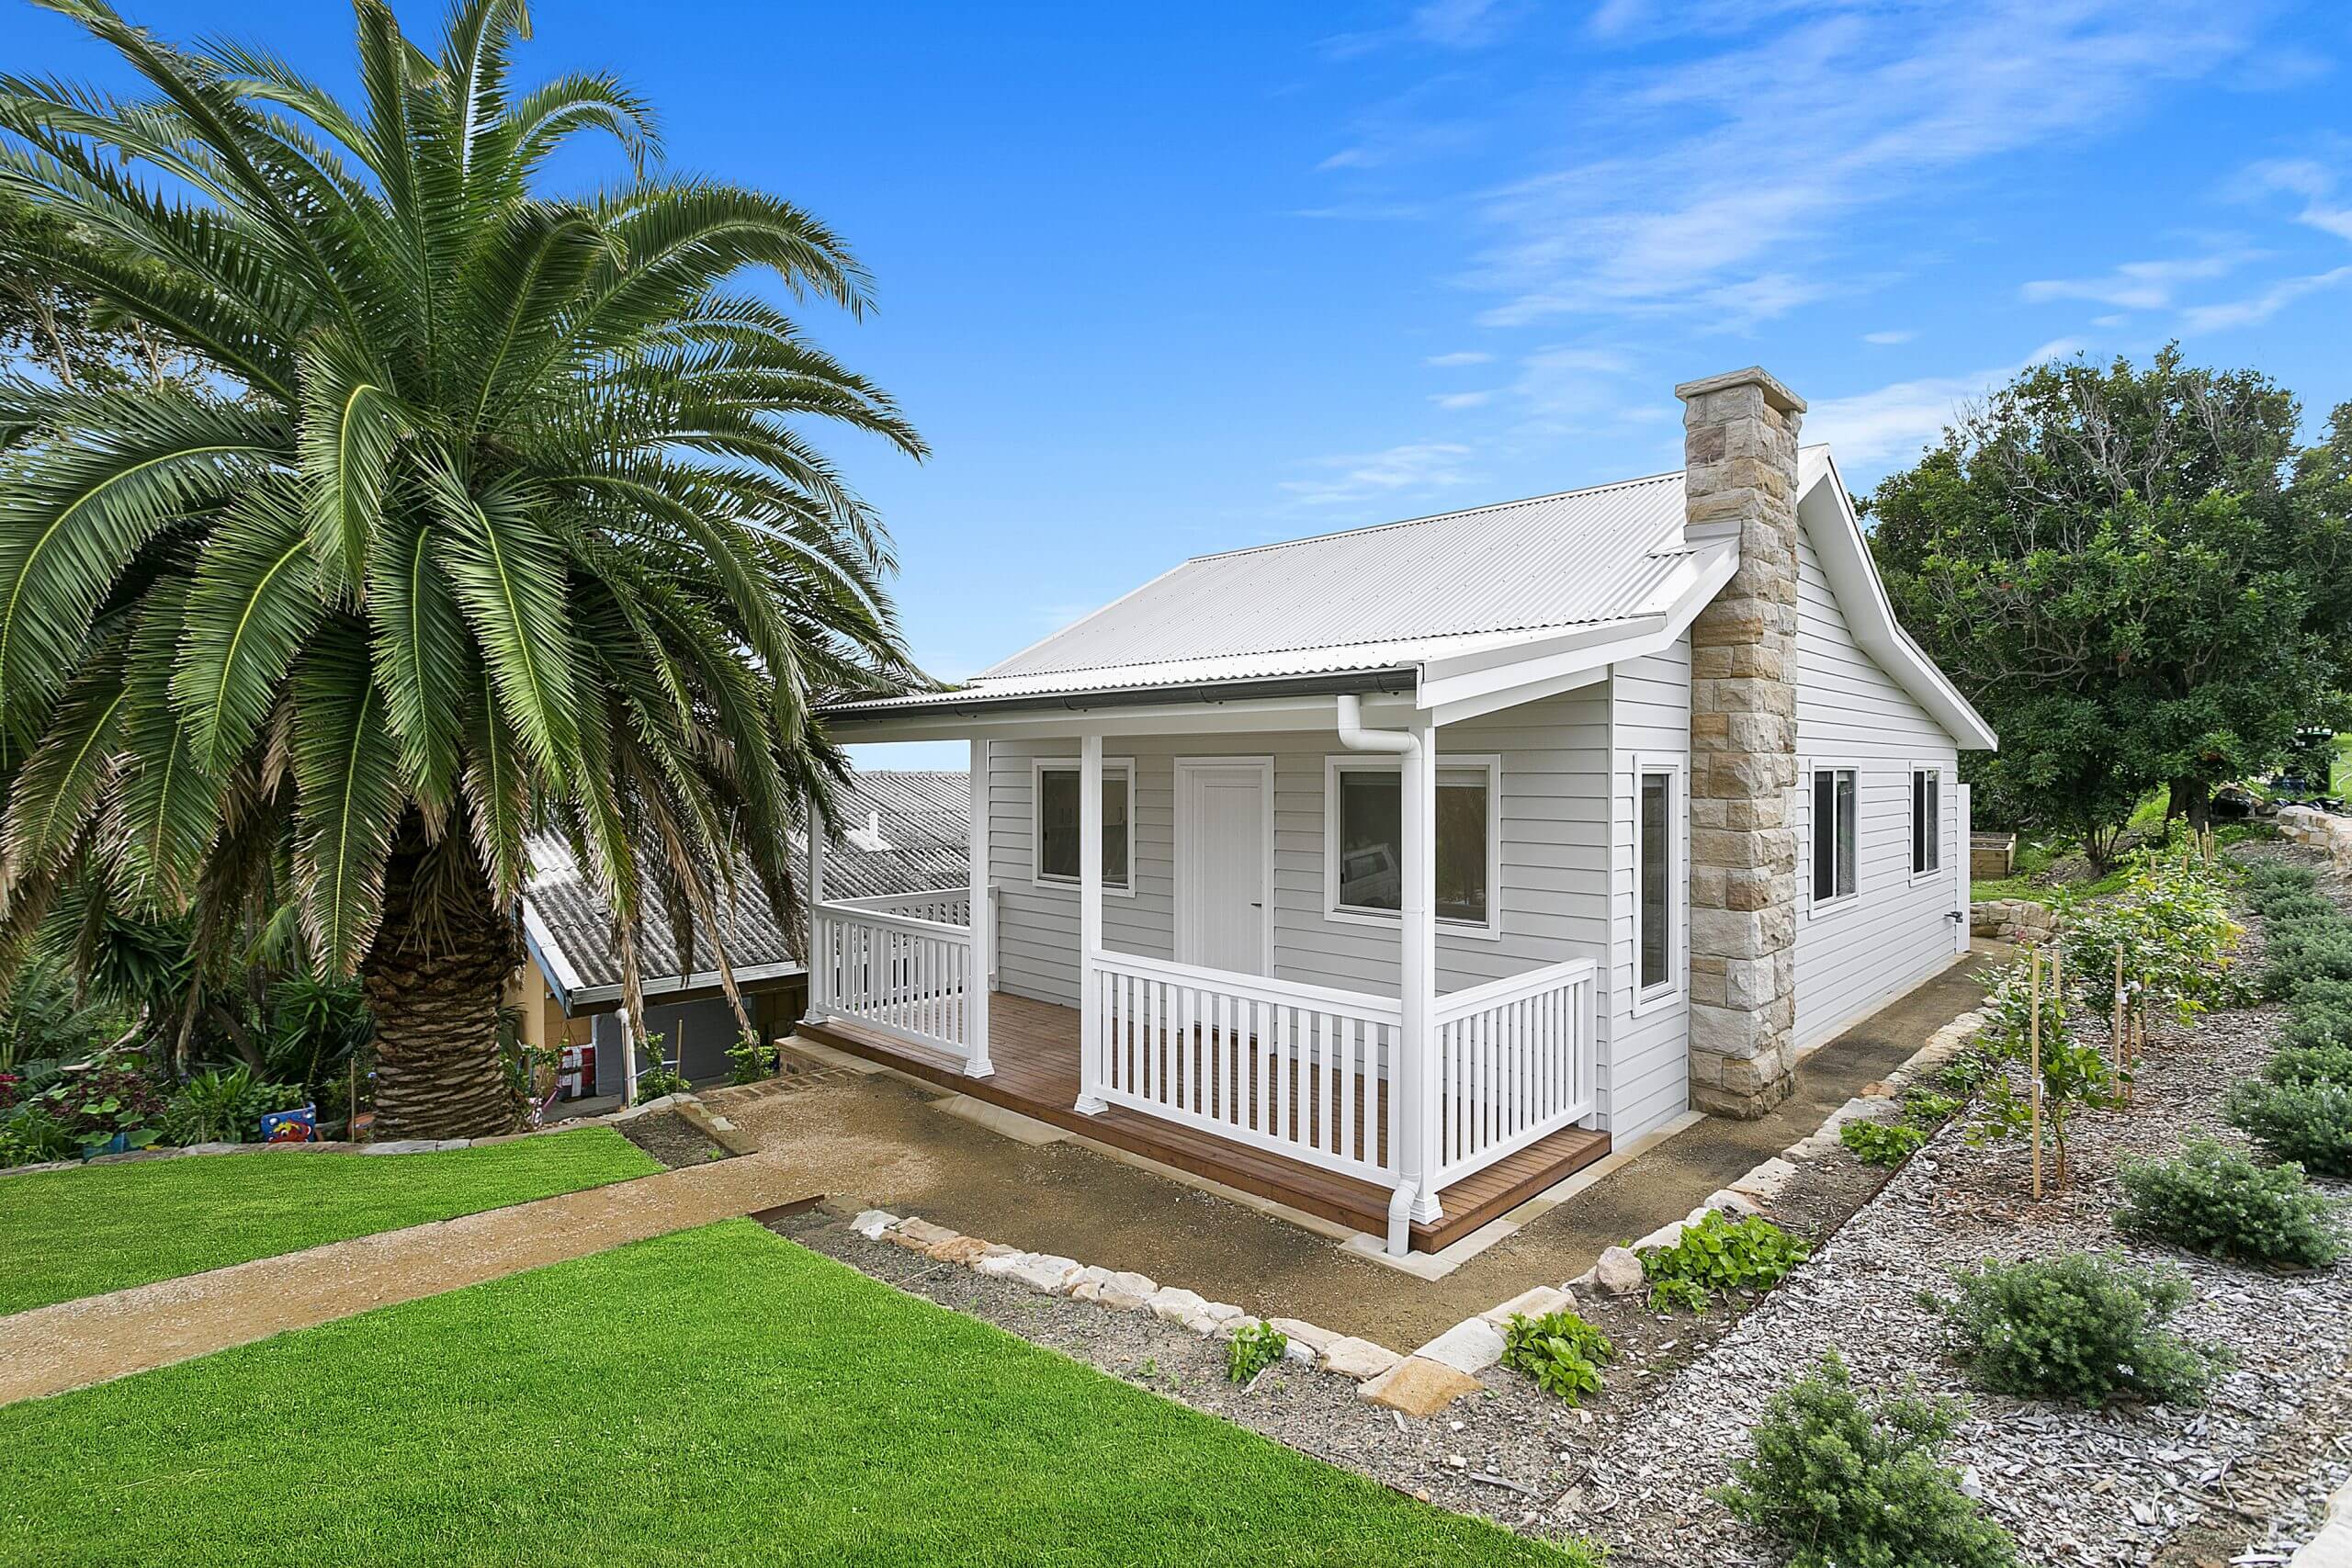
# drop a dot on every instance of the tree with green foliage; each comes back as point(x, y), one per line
point(2133, 575)
point(489, 510)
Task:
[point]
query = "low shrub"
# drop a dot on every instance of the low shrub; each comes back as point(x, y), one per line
point(659, 1079)
point(2214, 1199)
point(1924, 1108)
point(2310, 1124)
point(1967, 1072)
point(1882, 1143)
point(1843, 1484)
point(1718, 1255)
point(113, 1096)
point(224, 1106)
point(2292, 904)
point(1560, 1350)
point(30, 1135)
point(2296, 954)
point(2330, 1063)
point(2321, 1015)
point(2078, 1328)
point(1257, 1347)
point(752, 1059)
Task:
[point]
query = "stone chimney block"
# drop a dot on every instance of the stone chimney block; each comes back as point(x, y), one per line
point(1740, 486)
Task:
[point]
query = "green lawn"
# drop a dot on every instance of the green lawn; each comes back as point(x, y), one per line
point(76, 1233)
point(716, 1396)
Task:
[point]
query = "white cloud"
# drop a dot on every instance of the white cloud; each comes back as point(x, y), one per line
point(1894, 421)
point(2259, 307)
point(1463, 400)
point(1414, 468)
point(1757, 153)
point(1460, 357)
point(2140, 284)
point(1888, 339)
point(2316, 183)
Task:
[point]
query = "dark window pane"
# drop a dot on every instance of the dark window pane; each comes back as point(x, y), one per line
point(1918, 822)
point(1462, 851)
point(1370, 824)
point(1845, 832)
point(1058, 830)
point(1655, 860)
point(1825, 834)
point(1115, 829)
point(1058, 823)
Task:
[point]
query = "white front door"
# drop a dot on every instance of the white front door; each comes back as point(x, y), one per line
point(1224, 857)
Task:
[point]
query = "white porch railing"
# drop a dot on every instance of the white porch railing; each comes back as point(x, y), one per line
point(1294, 1069)
point(1515, 1063)
point(902, 964)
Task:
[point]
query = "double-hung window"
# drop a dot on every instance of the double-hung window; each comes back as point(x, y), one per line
point(1835, 798)
point(1055, 822)
point(1927, 820)
point(1658, 873)
point(1363, 840)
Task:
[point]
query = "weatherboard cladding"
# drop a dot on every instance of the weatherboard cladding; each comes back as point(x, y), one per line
point(1555, 560)
point(925, 818)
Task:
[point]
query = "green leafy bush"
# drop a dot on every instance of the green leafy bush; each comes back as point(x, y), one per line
point(2214, 1199)
point(1925, 1108)
point(659, 1078)
point(2076, 1075)
point(1843, 1484)
point(2297, 904)
point(1718, 1255)
point(2309, 1064)
point(2321, 1014)
point(753, 1060)
point(2171, 921)
point(1560, 1350)
point(30, 1135)
point(1257, 1347)
point(2265, 874)
point(113, 1096)
point(2310, 1124)
point(224, 1106)
point(1882, 1143)
point(2079, 1328)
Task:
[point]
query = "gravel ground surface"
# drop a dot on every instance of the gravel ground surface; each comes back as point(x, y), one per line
point(2239, 1481)
point(2127, 1485)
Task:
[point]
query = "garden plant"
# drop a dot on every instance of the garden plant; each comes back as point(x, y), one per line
point(2077, 1327)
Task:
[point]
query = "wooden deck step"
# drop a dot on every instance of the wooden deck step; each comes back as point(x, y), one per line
point(1033, 1045)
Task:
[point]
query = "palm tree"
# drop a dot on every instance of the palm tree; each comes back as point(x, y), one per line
point(485, 510)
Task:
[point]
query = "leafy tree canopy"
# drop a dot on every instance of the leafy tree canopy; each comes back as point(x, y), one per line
point(491, 508)
point(2133, 576)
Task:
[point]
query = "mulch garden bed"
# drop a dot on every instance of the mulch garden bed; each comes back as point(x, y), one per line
point(669, 1138)
point(2236, 1482)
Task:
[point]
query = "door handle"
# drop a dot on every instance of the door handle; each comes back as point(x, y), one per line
point(1255, 904)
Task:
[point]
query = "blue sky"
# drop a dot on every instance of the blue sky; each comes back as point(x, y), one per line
point(1160, 280)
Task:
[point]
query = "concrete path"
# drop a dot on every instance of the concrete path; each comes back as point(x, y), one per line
point(52, 1349)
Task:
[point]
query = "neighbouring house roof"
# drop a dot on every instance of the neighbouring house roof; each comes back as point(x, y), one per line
point(907, 832)
point(1467, 608)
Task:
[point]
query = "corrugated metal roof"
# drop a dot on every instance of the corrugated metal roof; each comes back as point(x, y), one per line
point(924, 818)
point(1570, 559)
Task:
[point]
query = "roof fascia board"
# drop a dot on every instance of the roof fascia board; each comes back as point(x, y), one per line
point(1099, 716)
point(1836, 533)
point(1457, 694)
point(562, 979)
point(591, 997)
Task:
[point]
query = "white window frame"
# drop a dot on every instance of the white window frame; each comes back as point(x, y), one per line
point(1911, 815)
point(1678, 876)
point(1490, 763)
point(1039, 767)
point(1814, 767)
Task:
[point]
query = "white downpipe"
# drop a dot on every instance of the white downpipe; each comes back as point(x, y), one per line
point(1416, 1162)
point(1356, 738)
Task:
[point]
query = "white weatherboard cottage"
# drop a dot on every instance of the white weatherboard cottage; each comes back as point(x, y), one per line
point(1397, 873)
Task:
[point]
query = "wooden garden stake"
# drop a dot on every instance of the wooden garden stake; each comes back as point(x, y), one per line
point(2033, 1035)
point(2115, 1029)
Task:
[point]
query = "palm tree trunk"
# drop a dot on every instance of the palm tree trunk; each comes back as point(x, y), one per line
point(433, 979)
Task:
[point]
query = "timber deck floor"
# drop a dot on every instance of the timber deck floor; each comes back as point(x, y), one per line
point(1034, 1048)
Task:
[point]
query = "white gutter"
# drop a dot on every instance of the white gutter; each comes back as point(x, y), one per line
point(1356, 738)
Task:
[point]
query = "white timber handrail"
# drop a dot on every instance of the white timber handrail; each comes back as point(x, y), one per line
point(1294, 1069)
point(1516, 1061)
point(901, 973)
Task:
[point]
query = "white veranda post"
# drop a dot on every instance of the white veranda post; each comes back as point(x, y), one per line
point(1415, 1074)
point(980, 961)
point(819, 965)
point(1089, 925)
